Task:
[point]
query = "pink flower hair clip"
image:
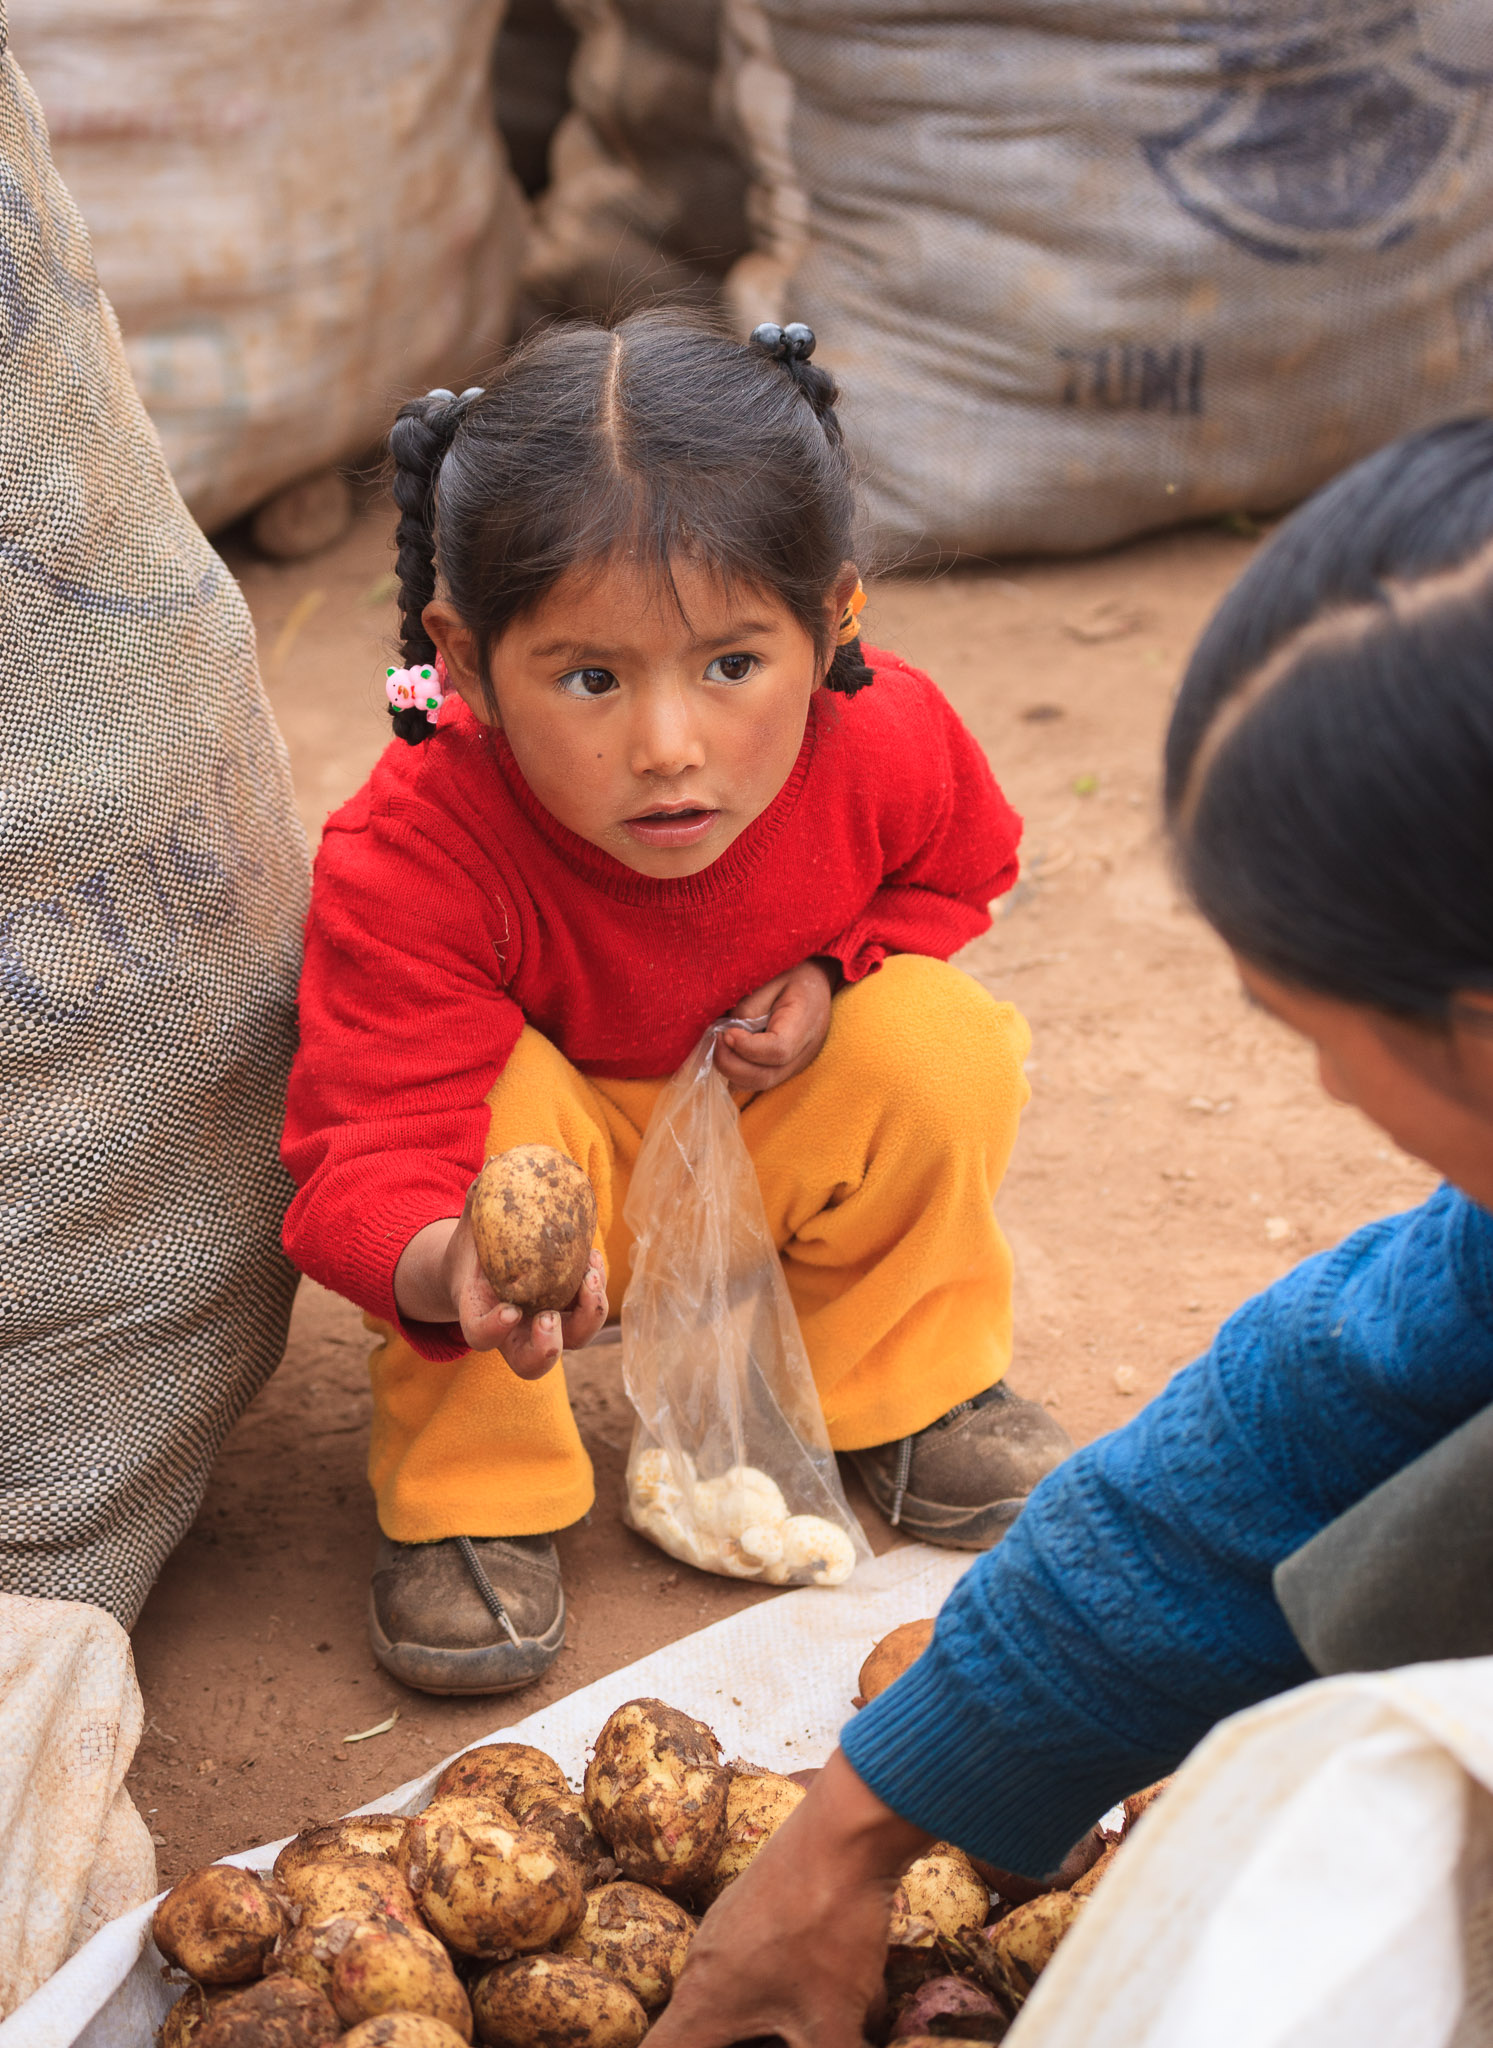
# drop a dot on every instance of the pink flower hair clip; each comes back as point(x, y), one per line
point(418, 689)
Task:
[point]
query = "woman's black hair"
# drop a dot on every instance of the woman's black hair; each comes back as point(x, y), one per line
point(658, 435)
point(1329, 765)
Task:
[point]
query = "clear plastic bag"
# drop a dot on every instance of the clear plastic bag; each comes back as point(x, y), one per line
point(731, 1467)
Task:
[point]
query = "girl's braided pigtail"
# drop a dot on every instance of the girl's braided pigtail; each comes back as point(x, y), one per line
point(418, 441)
point(792, 346)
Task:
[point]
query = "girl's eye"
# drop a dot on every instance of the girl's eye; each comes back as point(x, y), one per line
point(732, 668)
point(588, 682)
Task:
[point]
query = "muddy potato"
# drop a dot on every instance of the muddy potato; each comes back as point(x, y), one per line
point(1096, 1873)
point(656, 1793)
point(357, 1885)
point(308, 1951)
point(1137, 1803)
point(277, 2013)
point(491, 1891)
point(534, 1217)
point(190, 2014)
point(383, 1966)
point(562, 1819)
point(636, 1935)
point(500, 1770)
point(1015, 1890)
point(360, 1834)
point(219, 1924)
point(403, 2030)
point(456, 1809)
point(941, 1894)
point(1025, 1940)
point(555, 2002)
point(891, 1658)
point(757, 1804)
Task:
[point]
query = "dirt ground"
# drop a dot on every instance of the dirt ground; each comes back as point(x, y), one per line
point(1177, 1156)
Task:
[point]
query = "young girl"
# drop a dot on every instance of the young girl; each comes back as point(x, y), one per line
point(653, 778)
point(1329, 785)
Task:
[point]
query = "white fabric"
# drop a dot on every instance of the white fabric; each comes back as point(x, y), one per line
point(1317, 1877)
point(775, 1683)
point(76, 1852)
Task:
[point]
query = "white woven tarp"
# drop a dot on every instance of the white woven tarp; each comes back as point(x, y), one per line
point(774, 1682)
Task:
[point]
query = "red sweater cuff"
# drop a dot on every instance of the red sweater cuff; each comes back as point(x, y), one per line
point(395, 1196)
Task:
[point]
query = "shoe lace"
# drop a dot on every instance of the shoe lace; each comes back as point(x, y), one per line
point(485, 1589)
point(902, 1470)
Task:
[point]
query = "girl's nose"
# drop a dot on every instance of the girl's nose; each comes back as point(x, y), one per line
point(664, 739)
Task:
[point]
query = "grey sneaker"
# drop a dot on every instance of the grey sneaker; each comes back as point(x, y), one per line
point(962, 1481)
point(472, 1614)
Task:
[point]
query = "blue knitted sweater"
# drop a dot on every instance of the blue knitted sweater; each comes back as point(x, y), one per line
point(1131, 1606)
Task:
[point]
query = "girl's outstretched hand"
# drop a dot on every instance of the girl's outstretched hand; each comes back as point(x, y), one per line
point(797, 1945)
point(439, 1279)
point(796, 1006)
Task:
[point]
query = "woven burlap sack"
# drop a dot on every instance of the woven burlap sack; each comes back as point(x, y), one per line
point(77, 1853)
point(1087, 267)
point(647, 194)
point(153, 881)
point(301, 212)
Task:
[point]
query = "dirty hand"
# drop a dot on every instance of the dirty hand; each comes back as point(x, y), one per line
point(796, 1946)
point(796, 1006)
point(439, 1279)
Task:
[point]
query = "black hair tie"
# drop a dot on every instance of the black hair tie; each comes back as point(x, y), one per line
point(791, 344)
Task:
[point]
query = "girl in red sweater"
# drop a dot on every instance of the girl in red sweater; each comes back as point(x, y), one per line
point(652, 778)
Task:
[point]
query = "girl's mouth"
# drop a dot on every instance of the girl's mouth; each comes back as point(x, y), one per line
point(672, 825)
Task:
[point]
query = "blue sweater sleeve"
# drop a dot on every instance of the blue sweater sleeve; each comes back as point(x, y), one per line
point(1131, 1607)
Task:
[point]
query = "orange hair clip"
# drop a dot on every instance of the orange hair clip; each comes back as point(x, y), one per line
point(850, 618)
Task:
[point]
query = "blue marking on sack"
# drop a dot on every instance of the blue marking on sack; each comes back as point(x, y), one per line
point(1322, 142)
point(113, 603)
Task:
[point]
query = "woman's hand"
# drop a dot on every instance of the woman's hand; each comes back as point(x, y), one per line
point(796, 1006)
point(797, 1945)
point(439, 1279)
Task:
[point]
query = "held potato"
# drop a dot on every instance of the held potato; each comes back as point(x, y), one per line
point(656, 1792)
point(361, 1834)
point(384, 1966)
point(500, 1771)
point(1025, 1940)
point(940, 1894)
point(555, 2002)
point(219, 1924)
point(356, 1885)
point(492, 1891)
point(757, 1804)
point(533, 1217)
point(891, 1657)
point(403, 2030)
point(277, 2013)
point(636, 1935)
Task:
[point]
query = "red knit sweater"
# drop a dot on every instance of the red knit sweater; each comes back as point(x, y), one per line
point(449, 907)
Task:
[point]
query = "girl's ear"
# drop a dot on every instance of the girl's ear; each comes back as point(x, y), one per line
point(839, 595)
point(458, 648)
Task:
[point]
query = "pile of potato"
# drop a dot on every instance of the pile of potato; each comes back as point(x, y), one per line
point(518, 1912)
point(512, 1909)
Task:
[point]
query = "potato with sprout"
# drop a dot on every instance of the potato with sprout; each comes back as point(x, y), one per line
point(636, 1935)
point(656, 1793)
point(219, 1924)
point(555, 2002)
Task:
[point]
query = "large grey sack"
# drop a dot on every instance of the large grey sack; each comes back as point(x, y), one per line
point(1087, 267)
point(153, 882)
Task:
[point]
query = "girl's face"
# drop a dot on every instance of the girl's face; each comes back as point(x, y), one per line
point(656, 730)
point(1430, 1090)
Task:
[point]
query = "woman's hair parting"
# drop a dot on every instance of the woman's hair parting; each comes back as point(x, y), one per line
point(1329, 765)
point(658, 436)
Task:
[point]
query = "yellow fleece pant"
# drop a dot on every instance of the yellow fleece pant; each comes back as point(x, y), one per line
point(878, 1165)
